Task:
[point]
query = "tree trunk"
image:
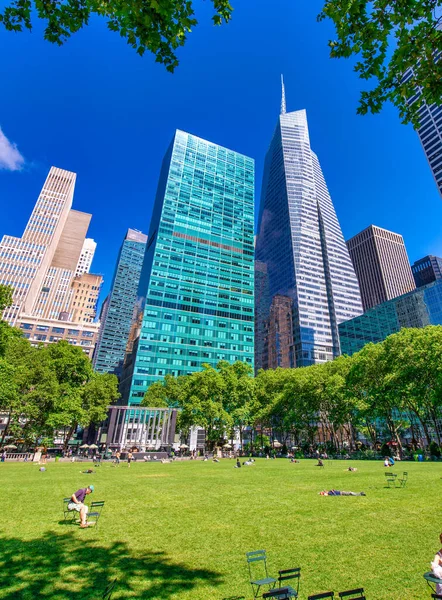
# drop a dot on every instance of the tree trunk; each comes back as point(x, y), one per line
point(5, 430)
point(71, 430)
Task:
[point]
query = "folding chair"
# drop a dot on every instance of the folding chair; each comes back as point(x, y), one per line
point(391, 478)
point(436, 596)
point(403, 481)
point(279, 593)
point(320, 596)
point(286, 575)
point(357, 594)
point(109, 590)
point(259, 556)
point(95, 513)
point(68, 515)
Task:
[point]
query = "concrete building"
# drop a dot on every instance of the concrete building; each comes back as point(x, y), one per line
point(86, 256)
point(301, 243)
point(196, 287)
point(381, 264)
point(118, 309)
point(418, 308)
point(41, 265)
point(426, 270)
point(278, 340)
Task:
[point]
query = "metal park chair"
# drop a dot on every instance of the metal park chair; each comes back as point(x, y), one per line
point(109, 590)
point(321, 596)
point(403, 481)
point(357, 594)
point(278, 593)
point(68, 515)
point(432, 580)
point(95, 511)
point(258, 558)
point(436, 596)
point(391, 478)
point(287, 575)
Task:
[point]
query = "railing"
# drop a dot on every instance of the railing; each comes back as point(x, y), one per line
point(19, 456)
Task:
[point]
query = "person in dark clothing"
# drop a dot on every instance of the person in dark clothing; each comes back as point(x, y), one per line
point(77, 503)
point(339, 493)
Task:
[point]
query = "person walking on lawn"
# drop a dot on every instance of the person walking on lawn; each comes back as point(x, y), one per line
point(77, 503)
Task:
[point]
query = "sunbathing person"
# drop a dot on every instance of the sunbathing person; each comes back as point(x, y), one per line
point(352, 469)
point(340, 493)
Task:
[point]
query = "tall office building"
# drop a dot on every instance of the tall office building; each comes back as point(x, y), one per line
point(381, 263)
point(25, 261)
point(198, 275)
point(426, 270)
point(86, 256)
point(429, 131)
point(118, 308)
point(300, 241)
point(278, 339)
point(41, 266)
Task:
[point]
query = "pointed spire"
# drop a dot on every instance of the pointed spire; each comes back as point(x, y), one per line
point(283, 106)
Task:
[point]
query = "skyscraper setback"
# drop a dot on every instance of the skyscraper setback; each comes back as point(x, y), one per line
point(300, 242)
point(198, 274)
point(381, 263)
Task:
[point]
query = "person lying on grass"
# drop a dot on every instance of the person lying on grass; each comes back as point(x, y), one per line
point(352, 469)
point(339, 493)
point(77, 503)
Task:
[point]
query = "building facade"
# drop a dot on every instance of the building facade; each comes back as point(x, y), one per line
point(429, 132)
point(118, 308)
point(301, 243)
point(41, 265)
point(86, 256)
point(418, 308)
point(196, 288)
point(426, 270)
point(381, 264)
point(278, 337)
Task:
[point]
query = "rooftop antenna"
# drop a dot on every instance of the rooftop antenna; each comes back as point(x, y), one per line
point(283, 105)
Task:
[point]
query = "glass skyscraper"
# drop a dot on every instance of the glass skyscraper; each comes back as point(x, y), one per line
point(418, 308)
point(118, 308)
point(196, 288)
point(301, 242)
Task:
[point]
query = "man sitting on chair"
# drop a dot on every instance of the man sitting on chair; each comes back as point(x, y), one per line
point(77, 504)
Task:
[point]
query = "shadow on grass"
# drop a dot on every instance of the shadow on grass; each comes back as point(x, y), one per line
point(64, 567)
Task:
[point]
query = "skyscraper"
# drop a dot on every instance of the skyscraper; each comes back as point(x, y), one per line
point(381, 263)
point(198, 275)
point(426, 270)
point(86, 256)
point(300, 241)
point(429, 132)
point(118, 308)
point(40, 266)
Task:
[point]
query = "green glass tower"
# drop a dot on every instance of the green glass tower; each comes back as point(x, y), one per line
point(197, 283)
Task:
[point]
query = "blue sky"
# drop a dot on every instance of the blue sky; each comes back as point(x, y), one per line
point(95, 107)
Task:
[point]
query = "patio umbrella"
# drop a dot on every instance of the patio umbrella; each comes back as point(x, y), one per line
point(277, 444)
point(93, 447)
point(11, 447)
point(84, 446)
point(184, 446)
point(227, 446)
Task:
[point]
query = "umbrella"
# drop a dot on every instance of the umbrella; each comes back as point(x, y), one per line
point(277, 444)
point(84, 446)
point(227, 446)
point(184, 446)
point(11, 447)
point(93, 447)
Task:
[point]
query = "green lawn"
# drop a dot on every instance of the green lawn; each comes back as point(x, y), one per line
point(181, 530)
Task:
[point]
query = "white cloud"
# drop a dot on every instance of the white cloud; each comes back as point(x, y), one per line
point(10, 157)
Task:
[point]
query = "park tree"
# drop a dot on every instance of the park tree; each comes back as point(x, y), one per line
point(158, 26)
point(388, 37)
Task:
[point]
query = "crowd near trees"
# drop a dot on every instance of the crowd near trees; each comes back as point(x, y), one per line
point(47, 389)
point(387, 37)
point(390, 392)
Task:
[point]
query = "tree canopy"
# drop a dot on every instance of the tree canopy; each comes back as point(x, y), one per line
point(386, 36)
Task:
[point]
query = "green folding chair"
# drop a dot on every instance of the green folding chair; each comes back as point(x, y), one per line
point(68, 515)
point(109, 590)
point(258, 558)
point(321, 596)
point(403, 481)
point(95, 511)
point(357, 594)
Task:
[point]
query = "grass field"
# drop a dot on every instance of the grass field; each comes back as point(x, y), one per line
point(181, 530)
